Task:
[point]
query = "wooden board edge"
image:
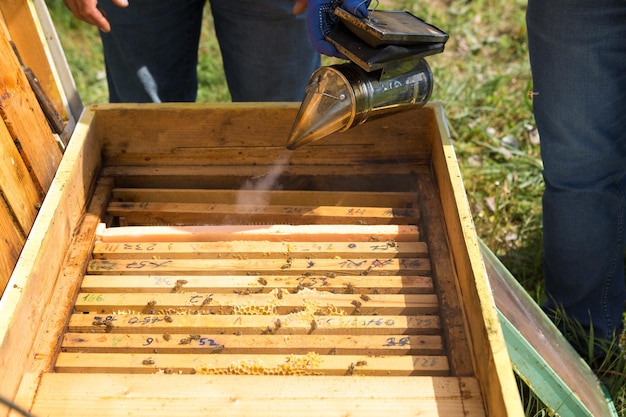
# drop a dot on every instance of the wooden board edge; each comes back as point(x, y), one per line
point(489, 351)
point(32, 282)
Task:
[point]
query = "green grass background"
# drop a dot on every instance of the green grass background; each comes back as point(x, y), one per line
point(483, 80)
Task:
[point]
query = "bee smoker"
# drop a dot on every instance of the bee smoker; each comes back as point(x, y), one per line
point(387, 73)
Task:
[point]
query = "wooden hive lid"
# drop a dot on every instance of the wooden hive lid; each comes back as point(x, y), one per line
point(39, 107)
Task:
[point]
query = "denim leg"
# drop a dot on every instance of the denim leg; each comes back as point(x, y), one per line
point(265, 48)
point(578, 59)
point(151, 53)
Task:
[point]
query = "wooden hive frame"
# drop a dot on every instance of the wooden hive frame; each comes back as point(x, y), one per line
point(159, 238)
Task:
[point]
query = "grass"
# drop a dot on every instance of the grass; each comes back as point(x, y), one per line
point(483, 80)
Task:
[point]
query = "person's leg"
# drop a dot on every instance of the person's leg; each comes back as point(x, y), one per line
point(578, 60)
point(265, 48)
point(151, 53)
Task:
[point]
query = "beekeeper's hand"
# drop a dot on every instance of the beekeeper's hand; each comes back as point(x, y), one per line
point(321, 19)
point(88, 11)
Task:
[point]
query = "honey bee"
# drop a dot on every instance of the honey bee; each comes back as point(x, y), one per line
point(349, 288)
point(351, 369)
point(108, 326)
point(361, 363)
point(218, 349)
point(262, 281)
point(365, 297)
point(184, 341)
point(147, 362)
point(167, 337)
point(179, 285)
point(168, 319)
point(356, 303)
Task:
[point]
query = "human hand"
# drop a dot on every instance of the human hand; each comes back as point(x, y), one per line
point(321, 19)
point(299, 6)
point(88, 11)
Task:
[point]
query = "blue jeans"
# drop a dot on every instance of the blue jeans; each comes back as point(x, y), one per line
point(578, 60)
point(151, 53)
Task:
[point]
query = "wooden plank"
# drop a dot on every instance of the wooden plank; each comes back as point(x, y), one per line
point(274, 233)
point(244, 249)
point(279, 302)
point(268, 197)
point(291, 324)
point(487, 341)
point(360, 266)
point(433, 227)
point(322, 176)
point(22, 21)
point(255, 364)
point(345, 284)
point(11, 244)
point(298, 344)
point(16, 184)
point(151, 213)
point(25, 119)
point(67, 395)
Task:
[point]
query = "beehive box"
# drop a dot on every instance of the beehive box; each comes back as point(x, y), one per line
point(185, 263)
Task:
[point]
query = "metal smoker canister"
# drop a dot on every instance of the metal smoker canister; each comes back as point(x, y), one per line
point(339, 97)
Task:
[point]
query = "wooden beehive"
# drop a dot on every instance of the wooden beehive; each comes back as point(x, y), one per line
point(184, 263)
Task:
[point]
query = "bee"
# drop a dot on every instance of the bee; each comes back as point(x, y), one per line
point(194, 337)
point(277, 324)
point(151, 303)
point(218, 349)
point(313, 325)
point(286, 266)
point(167, 337)
point(184, 341)
point(333, 351)
point(365, 297)
point(392, 243)
point(108, 326)
point(331, 274)
point(349, 288)
point(179, 285)
point(147, 362)
point(361, 363)
point(356, 303)
point(279, 294)
point(262, 281)
point(351, 369)
point(168, 319)
point(366, 272)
